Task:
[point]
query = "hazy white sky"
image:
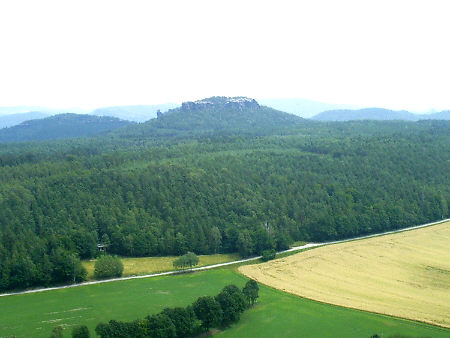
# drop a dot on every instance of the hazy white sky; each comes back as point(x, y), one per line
point(393, 54)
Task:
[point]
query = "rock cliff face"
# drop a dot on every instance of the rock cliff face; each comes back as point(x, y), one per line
point(221, 102)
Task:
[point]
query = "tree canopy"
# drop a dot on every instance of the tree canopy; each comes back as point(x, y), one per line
point(80, 331)
point(188, 260)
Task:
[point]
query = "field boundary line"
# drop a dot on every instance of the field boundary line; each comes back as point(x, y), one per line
point(208, 267)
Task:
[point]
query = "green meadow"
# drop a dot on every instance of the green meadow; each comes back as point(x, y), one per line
point(279, 314)
point(276, 314)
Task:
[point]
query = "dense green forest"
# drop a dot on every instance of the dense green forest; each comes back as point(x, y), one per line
point(147, 194)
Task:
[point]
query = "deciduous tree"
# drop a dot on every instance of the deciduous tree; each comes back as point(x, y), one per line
point(208, 311)
point(251, 290)
point(188, 260)
point(107, 266)
point(80, 331)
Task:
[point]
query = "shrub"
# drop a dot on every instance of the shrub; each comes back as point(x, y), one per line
point(80, 331)
point(267, 255)
point(108, 266)
point(57, 332)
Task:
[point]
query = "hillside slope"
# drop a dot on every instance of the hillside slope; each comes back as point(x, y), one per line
point(60, 126)
point(11, 120)
point(215, 115)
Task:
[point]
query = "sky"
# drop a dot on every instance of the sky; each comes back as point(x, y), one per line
point(393, 54)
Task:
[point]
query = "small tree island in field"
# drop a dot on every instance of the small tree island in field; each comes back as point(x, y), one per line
point(107, 266)
point(186, 261)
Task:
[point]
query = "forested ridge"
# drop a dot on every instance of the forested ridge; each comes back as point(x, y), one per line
point(61, 126)
point(208, 193)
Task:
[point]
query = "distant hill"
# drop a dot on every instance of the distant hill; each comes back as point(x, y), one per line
point(61, 126)
point(20, 109)
point(377, 114)
point(303, 107)
point(139, 113)
point(46, 110)
point(364, 114)
point(443, 115)
point(215, 115)
point(15, 119)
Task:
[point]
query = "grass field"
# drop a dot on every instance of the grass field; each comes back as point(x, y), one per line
point(276, 314)
point(34, 315)
point(405, 274)
point(279, 314)
point(148, 265)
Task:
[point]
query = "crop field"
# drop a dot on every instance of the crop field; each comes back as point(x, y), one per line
point(405, 274)
point(148, 265)
point(276, 313)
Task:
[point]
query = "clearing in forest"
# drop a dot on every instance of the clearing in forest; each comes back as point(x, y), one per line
point(405, 274)
point(147, 265)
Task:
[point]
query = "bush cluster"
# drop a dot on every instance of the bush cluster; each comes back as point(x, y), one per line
point(107, 266)
point(268, 255)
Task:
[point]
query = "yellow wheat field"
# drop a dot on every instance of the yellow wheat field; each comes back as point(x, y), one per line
point(405, 274)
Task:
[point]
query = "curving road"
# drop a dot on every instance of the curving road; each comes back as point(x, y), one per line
point(309, 245)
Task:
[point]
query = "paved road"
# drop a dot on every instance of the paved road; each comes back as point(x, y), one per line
point(309, 245)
